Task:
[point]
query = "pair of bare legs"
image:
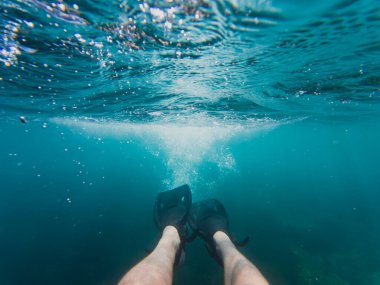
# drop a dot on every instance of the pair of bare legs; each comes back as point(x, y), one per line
point(157, 267)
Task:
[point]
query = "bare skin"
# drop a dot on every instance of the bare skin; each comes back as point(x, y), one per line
point(157, 267)
point(238, 270)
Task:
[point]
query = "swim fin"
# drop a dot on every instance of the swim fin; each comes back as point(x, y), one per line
point(172, 208)
point(206, 218)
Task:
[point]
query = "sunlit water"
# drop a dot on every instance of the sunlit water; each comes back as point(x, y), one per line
point(157, 60)
point(270, 106)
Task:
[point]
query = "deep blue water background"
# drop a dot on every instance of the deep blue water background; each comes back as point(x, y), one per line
point(308, 201)
point(271, 107)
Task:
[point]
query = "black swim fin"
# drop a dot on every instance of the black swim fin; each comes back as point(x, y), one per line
point(206, 218)
point(172, 208)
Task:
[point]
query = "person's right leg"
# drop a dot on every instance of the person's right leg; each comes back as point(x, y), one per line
point(238, 270)
point(209, 219)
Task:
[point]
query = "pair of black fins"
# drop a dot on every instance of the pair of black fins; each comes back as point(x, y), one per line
point(175, 208)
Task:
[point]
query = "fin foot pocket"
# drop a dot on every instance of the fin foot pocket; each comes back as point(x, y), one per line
point(172, 208)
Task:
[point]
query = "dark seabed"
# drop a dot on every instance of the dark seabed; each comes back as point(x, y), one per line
point(272, 107)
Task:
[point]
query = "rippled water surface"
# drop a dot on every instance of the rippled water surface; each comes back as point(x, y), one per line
point(272, 107)
point(155, 60)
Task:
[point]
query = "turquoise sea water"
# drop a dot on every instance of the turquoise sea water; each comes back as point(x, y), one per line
point(271, 107)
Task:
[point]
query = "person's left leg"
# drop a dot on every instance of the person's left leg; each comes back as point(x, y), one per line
point(157, 267)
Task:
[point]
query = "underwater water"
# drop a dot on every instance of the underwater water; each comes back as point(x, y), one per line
point(272, 107)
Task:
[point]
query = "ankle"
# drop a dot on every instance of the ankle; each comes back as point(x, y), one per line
point(223, 244)
point(171, 235)
point(220, 236)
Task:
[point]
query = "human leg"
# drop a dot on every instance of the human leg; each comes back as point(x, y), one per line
point(209, 219)
point(238, 270)
point(171, 210)
point(157, 267)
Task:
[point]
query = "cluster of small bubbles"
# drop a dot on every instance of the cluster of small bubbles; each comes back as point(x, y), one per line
point(61, 11)
point(11, 50)
point(15, 32)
